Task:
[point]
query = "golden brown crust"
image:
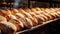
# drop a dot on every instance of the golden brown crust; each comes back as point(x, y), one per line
point(8, 27)
point(2, 19)
point(26, 22)
point(16, 23)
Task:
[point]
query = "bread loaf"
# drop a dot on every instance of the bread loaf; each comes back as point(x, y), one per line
point(7, 27)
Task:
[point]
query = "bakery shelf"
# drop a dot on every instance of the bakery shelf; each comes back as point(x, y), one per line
point(41, 26)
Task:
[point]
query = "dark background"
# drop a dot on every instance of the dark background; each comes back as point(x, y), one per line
point(31, 3)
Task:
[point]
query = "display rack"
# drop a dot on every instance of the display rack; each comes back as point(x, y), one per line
point(41, 27)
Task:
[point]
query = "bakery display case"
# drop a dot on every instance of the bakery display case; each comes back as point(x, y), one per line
point(29, 16)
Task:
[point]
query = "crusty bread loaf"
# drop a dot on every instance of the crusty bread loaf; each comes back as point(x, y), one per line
point(34, 10)
point(17, 24)
point(8, 28)
point(26, 22)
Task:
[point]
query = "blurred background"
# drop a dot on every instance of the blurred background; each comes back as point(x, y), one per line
point(30, 3)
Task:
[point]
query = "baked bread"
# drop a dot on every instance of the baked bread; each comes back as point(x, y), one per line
point(7, 27)
point(18, 24)
point(3, 19)
point(26, 22)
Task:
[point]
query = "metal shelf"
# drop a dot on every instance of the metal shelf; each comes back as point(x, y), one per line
point(35, 27)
